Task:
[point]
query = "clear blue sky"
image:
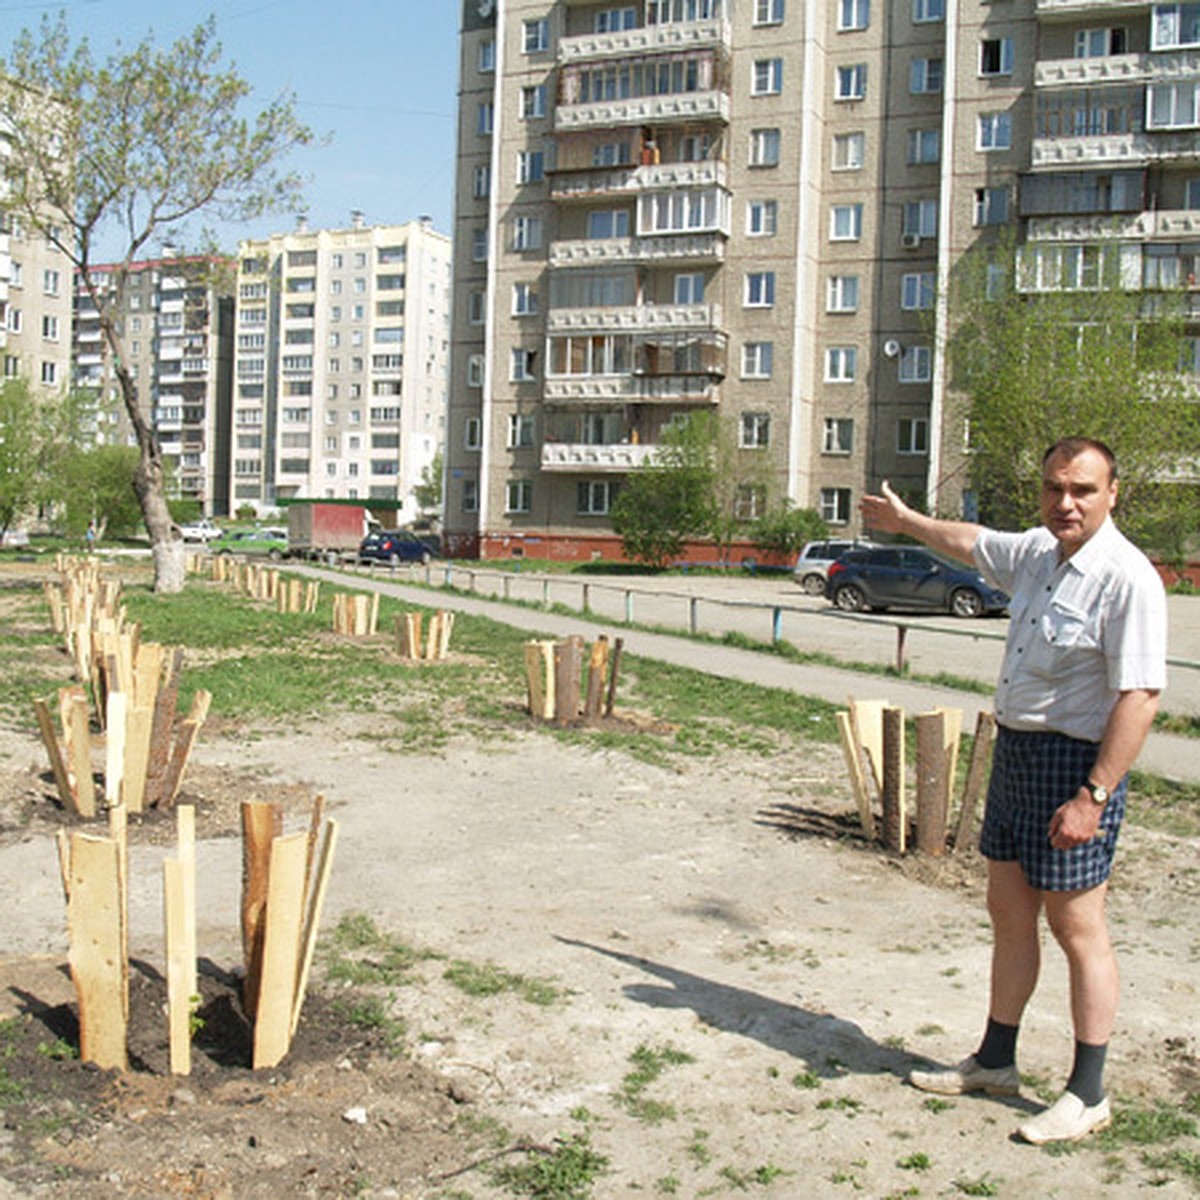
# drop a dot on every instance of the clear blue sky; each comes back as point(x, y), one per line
point(379, 76)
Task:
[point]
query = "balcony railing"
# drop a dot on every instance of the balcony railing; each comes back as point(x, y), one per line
point(580, 456)
point(1053, 8)
point(588, 182)
point(637, 318)
point(668, 247)
point(1116, 69)
point(1166, 225)
point(650, 39)
point(643, 110)
point(632, 389)
point(1116, 149)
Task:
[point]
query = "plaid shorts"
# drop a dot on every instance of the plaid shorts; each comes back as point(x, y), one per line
point(1032, 774)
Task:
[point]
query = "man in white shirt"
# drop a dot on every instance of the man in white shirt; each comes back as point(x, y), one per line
point(1083, 666)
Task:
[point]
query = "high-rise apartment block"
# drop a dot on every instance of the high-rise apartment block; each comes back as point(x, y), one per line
point(752, 207)
point(341, 364)
point(176, 320)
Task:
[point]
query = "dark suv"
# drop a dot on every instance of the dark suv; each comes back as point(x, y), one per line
point(394, 546)
point(909, 577)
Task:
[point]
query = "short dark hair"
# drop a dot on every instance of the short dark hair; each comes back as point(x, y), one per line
point(1072, 447)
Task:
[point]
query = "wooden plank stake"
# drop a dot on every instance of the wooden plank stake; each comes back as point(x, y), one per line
point(179, 995)
point(447, 629)
point(165, 705)
point(932, 763)
point(281, 950)
point(852, 751)
point(895, 816)
point(866, 716)
point(54, 749)
point(613, 670)
point(114, 766)
point(80, 743)
point(985, 733)
point(185, 825)
point(539, 675)
point(96, 954)
point(568, 673)
point(262, 821)
point(139, 721)
point(312, 921)
point(597, 675)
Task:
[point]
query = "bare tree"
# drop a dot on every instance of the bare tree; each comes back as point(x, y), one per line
point(139, 143)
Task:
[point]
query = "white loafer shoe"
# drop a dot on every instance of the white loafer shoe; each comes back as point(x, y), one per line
point(1067, 1120)
point(968, 1076)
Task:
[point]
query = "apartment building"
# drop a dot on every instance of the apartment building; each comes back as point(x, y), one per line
point(176, 319)
point(752, 207)
point(341, 364)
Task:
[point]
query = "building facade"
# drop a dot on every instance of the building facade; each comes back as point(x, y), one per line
point(752, 207)
point(176, 321)
point(341, 362)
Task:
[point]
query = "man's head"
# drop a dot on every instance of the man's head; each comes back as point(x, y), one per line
point(1079, 490)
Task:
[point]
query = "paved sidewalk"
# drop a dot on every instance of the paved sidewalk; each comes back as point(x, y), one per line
point(1164, 754)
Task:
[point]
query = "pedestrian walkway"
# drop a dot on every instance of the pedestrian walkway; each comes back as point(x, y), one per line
point(1168, 755)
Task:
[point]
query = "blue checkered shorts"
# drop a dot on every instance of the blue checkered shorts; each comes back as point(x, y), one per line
point(1032, 774)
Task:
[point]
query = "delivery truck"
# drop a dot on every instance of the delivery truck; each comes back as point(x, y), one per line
point(319, 529)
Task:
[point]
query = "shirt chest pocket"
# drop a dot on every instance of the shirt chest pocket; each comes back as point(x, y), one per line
point(1066, 637)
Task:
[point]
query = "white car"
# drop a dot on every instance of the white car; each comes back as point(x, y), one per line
point(200, 531)
point(812, 564)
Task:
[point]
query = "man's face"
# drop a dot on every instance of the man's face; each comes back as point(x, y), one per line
point(1077, 495)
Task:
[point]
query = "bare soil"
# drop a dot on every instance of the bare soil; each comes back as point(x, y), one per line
point(721, 920)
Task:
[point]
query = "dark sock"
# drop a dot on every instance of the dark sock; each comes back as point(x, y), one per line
point(999, 1045)
point(1087, 1075)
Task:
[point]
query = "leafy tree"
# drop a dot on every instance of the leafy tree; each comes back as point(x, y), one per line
point(142, 141)
point(785, 530)
point(428, 493)
point(98, 489)
point(20, 440)
point(1029, 366)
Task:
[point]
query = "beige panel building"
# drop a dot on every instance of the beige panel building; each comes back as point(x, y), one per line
point(341, 363)
point(751, 207)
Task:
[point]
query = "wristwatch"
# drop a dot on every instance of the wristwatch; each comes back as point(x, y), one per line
point(1099, 792)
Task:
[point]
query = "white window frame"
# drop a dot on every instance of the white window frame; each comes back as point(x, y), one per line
point(853, 15)
point(470, 495)
point(485, 118)
point(926, 11)
point(846, 222)
point(749, 501)
point(921, 218)
point(841, 364)
point(758, 360)
point(912, 436)
point(834, 505)
point(481, 184)
point(526, 234)
point(479, 245)
point(766, 77)
point(531, 166)
point(837, 435)
point(521, 431)
point(926, 76)
point(1007, 57)
point(842, 294)
point(917, 291)
point(920, 144)
point(765, 147)
point(533, 101)
point(768, 12)
point(1102, 42)
point(850, 83)
point(518, 496)
point(1167, 31)
point(486, 63)
point(521, 365)
point(688, 287)
point(994, 132)
point(754, 431)
point(762, 218)
point(535, 35)
point(475, 370)
point(599, 494)
point(848, 151)
point(916, 364)
point(525, 301)
point(759, 290)
point(991, 207)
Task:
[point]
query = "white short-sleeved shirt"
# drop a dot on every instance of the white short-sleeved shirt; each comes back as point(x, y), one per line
point(1081, 631)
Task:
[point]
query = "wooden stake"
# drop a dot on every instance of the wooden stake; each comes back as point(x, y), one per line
point(312, 921)
point(895, 816)
point(114, 765)
point(568, 673)
point(281, 950)
point(852, 751)
point(539, 676)
point(932, 763)
point(54, 749)
point(139, 721)
point(262, 821)
point(179, 995)
point(866, 717)
point(597, 671)
point(613, 670)
point(985, 733)
point(80, 743)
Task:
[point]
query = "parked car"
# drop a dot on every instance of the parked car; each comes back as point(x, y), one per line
point(812, 563)
point(909, 577)
point(394, 546)
point(270, 540)
point(202, 530)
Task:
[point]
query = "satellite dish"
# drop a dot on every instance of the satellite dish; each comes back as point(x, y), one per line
point(891, 348)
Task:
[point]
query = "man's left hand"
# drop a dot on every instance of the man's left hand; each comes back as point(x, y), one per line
point(1076, 822)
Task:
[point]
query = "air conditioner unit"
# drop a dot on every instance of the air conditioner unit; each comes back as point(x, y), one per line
point(910, 241)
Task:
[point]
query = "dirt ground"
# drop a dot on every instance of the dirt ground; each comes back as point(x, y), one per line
point(700, 977)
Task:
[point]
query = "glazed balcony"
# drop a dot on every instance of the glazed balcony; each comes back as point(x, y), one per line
point(650, 39)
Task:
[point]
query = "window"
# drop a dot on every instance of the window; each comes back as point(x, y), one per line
point(921, 218)
point(481, 181)
point(473, 433)
point(925, 76)
point(485, 117)
point(768, 12)
point(527, 233)
point(912, 435)
point(475, 370)
point(1173, 105)
point(1175, 26)
point(835, 505)
point(518, 496)
point(525, 300)
point(760, 289)
point(916, 364)
point(837, 435)
point(50, 282)
point(14, 273)
point(608, 223)
point(929, 10)
point(693, 210)
point(50, 329)
point(50, 373)
point(521, 365)
point(536, 36)
point(924, 146)
point(845, 222)
point(749, 501)
point(613, 20)
point(916, 291)
point(995, 131)
point(764, 147)
point(842, 294)
point(533, 101)
point(689, 288)
point(762, 218)
point(851, 82)
point(767, 77)
point(470, 495)
point(754, 432)
point(756, 360)
point(853, 14)
point(531, 166)
point(476, 307)
point(612, 154)
point(996, 56)
point(594, 497)
point(848, 149)
point(520, 431)
point(479, 245)
point(487, 57)
point(991, 206)
point(841, 364)
point(1099, 43)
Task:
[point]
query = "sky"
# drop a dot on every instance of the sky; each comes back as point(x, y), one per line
point(379, 77)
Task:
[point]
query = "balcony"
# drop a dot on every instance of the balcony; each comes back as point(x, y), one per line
point(588, 183)
point(1167, 225)
point(643, 110)
point(1116, 69)
point(632, 389)
point(650, 39)
point(592, 252)
point(1114, 150)
point(640, 318)
point(1097, 8)
point(580, 456)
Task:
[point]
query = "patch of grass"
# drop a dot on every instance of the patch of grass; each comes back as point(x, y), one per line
point(566, 1172)
point(667, 1185)
point(358, 953)
point(1146, 1125)
point(488, 979)
point(918, 1161)
point(60, 1050)
point(1164, 805)
point(935, 1104)
point(649, 1064)
point(1185, 1163)
point(756, 1176)
point(11, 1090)
point(985, 1185)
point(806, 1080)
point(370, 1014)
point(846, 1104)
point(697, 1149)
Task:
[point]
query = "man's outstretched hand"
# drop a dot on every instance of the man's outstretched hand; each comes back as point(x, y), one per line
point(885, 512)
